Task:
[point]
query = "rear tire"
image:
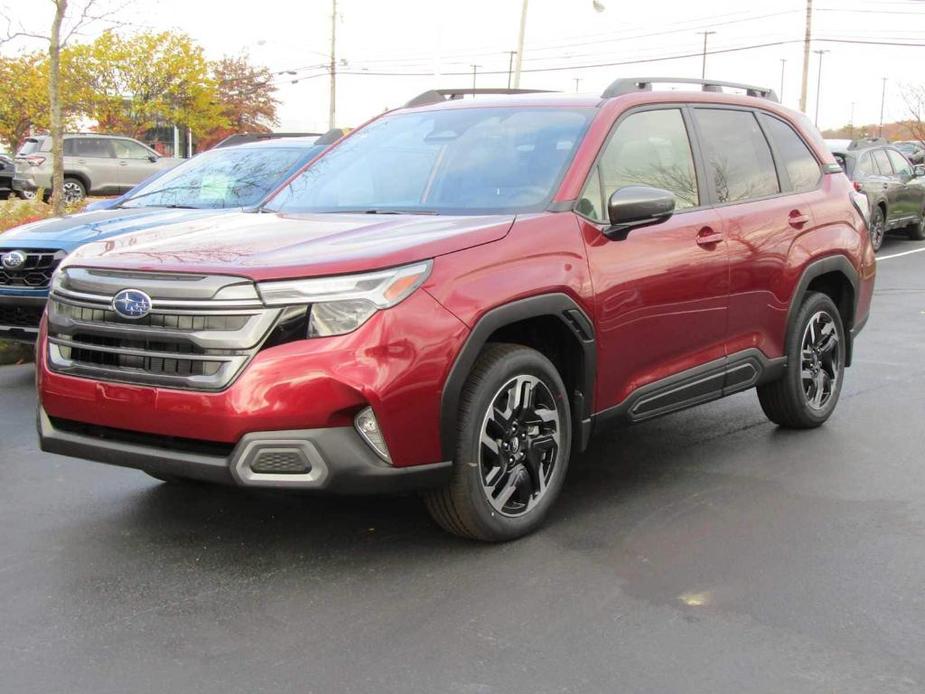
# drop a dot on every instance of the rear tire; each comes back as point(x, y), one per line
point(510, 464)
point(877, 227)
point(807, 394)
point(73, 190)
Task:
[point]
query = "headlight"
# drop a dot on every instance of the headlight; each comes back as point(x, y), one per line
point(343, 303)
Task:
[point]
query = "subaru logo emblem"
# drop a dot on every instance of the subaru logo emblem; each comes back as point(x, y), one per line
point(131, 303)
point(13, 260)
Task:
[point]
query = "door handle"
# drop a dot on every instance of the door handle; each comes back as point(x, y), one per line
point(797, 219)
point(708, 237)
point(123, 163)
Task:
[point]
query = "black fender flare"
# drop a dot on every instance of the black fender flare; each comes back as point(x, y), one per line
point(817, 268)
point(558, 305)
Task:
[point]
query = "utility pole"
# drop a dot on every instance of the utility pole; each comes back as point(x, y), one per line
point(703, 70)
point(783, 64)
point(333, 97)
point(475, 69)
point(577, 82)
point(882, 104)
point(807, 40)
point(818, 86)
point(520, 44)
point(510, 66)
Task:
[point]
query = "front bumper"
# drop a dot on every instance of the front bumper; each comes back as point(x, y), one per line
point(331, 459)
point(20, 317)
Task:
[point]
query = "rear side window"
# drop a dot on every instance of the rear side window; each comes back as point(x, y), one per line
point(801, 166)
point(91, 147)
point(649, 148)
point(865, 167)
point(900, 164)
point(738, 157)
point(883, 162)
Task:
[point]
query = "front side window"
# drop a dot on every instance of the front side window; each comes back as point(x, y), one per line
point(802, 167)
point(648, 148)
point(126, 149)
point(453, 161)
point(900, 164)
point(738, 157)
point(220, 178)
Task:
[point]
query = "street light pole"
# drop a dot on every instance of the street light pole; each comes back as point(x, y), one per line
point(882, 104)
point(510, 66)
point(332, 106)
point(783, 64)
point(520, 44)
point(474, 72)
point(818, 86)
point(807, 40)
point(703, 70)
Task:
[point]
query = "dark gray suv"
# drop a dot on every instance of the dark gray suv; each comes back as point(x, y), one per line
point(894, 188)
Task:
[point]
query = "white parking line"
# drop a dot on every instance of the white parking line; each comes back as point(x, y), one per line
point(898, 255)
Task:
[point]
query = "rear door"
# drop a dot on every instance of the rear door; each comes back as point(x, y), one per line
point(764, 182)
point(135, 164)
point(911, 193)
point(661, 292)
point(891, 185)
point(93, 157)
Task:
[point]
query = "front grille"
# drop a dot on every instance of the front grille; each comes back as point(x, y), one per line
point(172, 443)
point(197, 342)
point(21, 316)
point(35, 273)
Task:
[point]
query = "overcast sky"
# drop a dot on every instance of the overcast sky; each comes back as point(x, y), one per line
point(389, 50)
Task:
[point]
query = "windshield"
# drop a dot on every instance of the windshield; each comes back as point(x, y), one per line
point(220, 178)
point(456, 161)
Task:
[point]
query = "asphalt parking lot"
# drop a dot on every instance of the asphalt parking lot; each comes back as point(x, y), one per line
point(703, 552)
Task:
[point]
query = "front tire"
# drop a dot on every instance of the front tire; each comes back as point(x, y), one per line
point(513, 443)
point(807, 394)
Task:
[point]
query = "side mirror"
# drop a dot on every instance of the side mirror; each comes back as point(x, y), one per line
point(918, 170)
point(632, 207)
point(153, 158)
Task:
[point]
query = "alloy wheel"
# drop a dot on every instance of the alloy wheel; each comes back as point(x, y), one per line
point(72, 192)
point(519, 445)
point(877, 229)
point(820, 360)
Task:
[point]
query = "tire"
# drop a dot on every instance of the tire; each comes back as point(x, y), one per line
point(877, 227)
point(509, 465)
point(916, 231)
point(807, 394)
point(73, 190)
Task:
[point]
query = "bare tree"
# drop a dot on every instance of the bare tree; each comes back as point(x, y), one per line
point(914, 96)
point(70, 18)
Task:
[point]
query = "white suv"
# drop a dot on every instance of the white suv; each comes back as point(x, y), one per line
point(93, 164)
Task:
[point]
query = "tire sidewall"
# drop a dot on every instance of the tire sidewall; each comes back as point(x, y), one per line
point(523, 362)
point(878, 214)
point(813, 304)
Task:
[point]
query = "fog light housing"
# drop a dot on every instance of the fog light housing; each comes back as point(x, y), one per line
point(367, 426)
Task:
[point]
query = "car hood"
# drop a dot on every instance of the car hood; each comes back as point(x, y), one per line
point(276, 246)
point(67, 233)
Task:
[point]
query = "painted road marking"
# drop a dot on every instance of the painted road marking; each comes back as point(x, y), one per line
point(898, 255)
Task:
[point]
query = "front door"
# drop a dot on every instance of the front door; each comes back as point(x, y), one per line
point(661, 293)
point(135, 163)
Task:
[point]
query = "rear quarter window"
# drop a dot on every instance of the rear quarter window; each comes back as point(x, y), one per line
point(800, 164)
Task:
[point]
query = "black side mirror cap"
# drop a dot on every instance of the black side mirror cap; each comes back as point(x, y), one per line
point(153, 158)
point(633, 207)
point(918, 170)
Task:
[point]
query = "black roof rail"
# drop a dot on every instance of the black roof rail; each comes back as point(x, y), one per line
point(436, 96)
point(865, 142)
point(629, 85)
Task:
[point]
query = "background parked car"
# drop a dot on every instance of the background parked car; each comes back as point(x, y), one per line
point(93, 164)
point(208, 184)
point(7, 168)
point(893, 186)
point(913, 151)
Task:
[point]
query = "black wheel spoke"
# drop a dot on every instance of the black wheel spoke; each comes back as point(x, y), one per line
point(820, 359)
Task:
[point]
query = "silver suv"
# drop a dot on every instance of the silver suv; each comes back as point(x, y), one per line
point(93, 164)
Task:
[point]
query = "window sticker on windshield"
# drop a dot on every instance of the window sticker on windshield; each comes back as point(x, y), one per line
point(215, 186)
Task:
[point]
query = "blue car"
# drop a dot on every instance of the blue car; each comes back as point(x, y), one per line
point(211, 183)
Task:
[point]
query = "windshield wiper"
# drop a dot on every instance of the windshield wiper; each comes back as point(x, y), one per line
point(377, 211)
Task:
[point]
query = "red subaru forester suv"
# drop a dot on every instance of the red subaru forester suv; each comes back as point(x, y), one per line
point(459, 293)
